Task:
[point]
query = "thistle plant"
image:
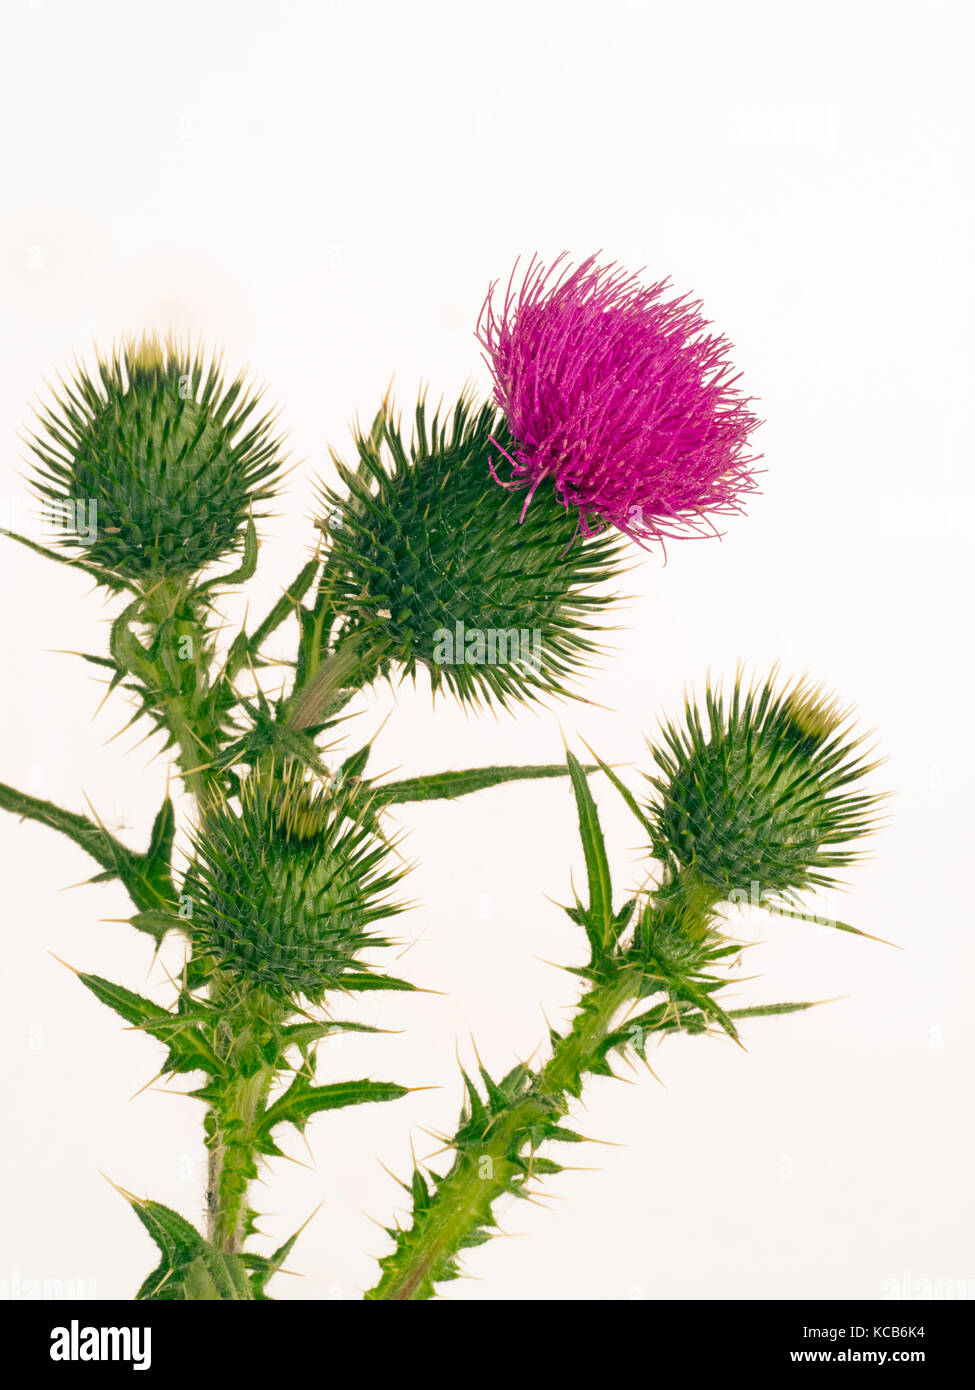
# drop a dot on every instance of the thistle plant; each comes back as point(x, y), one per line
point(766, 785)
point(479, 550)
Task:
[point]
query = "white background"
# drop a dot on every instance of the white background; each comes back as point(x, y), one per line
point(327, 189)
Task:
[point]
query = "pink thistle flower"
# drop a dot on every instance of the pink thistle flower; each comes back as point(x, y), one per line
point(620, 398)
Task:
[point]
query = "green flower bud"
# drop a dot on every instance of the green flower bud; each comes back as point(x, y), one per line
point(759, 791)
point(434, 565)
point(284, 889)
point(151, 466)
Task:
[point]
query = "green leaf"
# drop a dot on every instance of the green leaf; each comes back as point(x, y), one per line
point(286, 604)
point(104, 577)
point(157, 924)
point(307, 1034)
point(248, 563)
point(354, 981)
point(91, 837)
point(303, 1099)
point(190, 1270)
point(189, 1049)
point(817, 919)
point(264, 1267)
point(127, 652)
point(420, 1191)
point(766, 1010)
point(163, 831)
point(624, 792)
point(155, 867)
point(440, 786)
point(355, 764)
point(683, 988)
point(599, 917)
point(146, 876)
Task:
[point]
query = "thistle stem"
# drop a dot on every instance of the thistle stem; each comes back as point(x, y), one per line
point(233, 1161)
point(177, 705)
point(344, 667)
point(480, 1176)
point(229, 1163)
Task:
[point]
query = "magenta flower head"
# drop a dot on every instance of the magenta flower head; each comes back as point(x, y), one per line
point(620, 399)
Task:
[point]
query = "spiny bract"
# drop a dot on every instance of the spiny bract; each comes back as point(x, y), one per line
point(284, 890)
point(432, 565)
point(760, 790)
point(151, 465)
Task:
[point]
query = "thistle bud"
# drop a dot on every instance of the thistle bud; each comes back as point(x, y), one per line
point(152, 465)
point(285, 888)
point(433, 566)
point(760, 791)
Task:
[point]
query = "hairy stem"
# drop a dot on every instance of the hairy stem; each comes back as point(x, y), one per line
point(344, 668)
point(482, 1174)
point(183, 652)
point(232, 1159)
point(179, 701)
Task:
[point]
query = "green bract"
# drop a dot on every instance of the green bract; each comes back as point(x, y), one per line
point(760, 789)
point(151, 466)
point(284, 889)
point(434, 565)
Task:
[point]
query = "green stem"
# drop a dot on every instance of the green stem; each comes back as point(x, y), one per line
point(232, 1158)
point(182, 691)
point(346, 667)
point(180, 699)
point(237, 1100)
point(481, 1175)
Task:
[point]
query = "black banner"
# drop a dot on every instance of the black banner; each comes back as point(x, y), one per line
point(291, 1337)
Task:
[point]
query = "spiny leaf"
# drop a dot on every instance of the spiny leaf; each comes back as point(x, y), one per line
point(108, 581)
point(248, 563)
point(624, 792)
point(303, 1099)
point(145, 876)
point(305, 1034)
point(190, 1270)
point(599, 916)
point(163, 831)
point(784, 910)
point(353, 981)
point(285, 606)
point(189, 1049)
point(440, 786)
point(264, 1267)
point(355, 765)
point(93, 838)
point(766, 1010)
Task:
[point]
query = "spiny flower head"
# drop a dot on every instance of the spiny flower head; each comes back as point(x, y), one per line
point(430, 566)
point(285, 888)
point(153, 463)
point(617, 398)
point(761, 789)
